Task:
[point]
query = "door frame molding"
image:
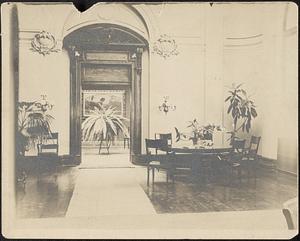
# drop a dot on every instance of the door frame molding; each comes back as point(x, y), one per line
point(105, 38)
point(77, 59)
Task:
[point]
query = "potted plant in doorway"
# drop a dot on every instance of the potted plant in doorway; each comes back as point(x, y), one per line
point(241, 108)
point(104, 125)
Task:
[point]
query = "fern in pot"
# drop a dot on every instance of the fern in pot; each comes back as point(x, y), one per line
point(104, 125)
point(33, 126)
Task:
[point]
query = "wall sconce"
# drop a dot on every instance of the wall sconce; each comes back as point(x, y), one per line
point(165, 107)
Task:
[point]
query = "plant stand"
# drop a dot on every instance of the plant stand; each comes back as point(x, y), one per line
point(108, 144)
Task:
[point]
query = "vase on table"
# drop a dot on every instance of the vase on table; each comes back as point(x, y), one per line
point(194, 140)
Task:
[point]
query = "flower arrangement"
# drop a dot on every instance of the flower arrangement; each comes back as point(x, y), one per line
point(198, 132)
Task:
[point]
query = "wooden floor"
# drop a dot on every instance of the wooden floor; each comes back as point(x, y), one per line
point(272, 189)
point(48, 194)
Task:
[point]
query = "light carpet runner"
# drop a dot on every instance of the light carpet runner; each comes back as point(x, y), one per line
point(109, 191)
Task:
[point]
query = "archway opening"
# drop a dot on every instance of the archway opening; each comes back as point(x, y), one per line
point(105, 90)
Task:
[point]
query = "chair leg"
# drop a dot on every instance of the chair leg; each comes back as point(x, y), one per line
point(148, 175)
point(255, 174)
point(231, 179)
point(240, 175)
point(153, 170)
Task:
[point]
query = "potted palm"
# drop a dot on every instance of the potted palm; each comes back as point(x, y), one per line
point(241, 108)
point(104, 125)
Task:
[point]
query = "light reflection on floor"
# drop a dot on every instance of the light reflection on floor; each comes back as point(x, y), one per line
point(48, 194)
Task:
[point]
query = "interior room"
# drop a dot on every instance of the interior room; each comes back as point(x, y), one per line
point(156, 119)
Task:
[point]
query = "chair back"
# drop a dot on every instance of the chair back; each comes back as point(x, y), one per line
point(238, 146)
point(50, 145)
point(53, 137)
point(156, 144)
point(167, 136)
point(254, 144)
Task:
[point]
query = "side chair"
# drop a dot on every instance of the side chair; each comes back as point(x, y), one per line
point(250, 157)
point(158, 162)
point(233, 159)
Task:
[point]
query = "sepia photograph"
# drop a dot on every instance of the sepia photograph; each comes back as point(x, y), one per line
point(149, 120)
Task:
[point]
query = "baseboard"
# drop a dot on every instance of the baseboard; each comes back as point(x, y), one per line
point(287, 172)
point(266, 159)
point(32, 160)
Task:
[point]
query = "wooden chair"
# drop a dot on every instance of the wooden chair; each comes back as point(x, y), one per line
point(166, 164)
point(50, 147)
point(167, 136)
point(126, 140)
point(251, 152)
point(250, 157)
point(179, 169)
point(233, 159)
point(48, 151)
point(290, 212)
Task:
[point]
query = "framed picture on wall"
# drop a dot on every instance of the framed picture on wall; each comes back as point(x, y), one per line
point(103, 99)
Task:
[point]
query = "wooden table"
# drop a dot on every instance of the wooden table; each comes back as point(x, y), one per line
point(201, 160)
point(187, 148)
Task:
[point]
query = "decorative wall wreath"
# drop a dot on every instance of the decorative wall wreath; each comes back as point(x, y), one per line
point(44, 43)
point(165, 46)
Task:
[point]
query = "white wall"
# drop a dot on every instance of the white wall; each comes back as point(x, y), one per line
point(193, 78)
point(47, 75)
point(269, 72)
point(288, 135)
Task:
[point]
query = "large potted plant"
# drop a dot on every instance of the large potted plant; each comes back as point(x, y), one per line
point(104, 125)
point(241, 108)
point(34, 125)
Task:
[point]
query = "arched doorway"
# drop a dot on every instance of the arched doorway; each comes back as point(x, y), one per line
point(105, 56)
